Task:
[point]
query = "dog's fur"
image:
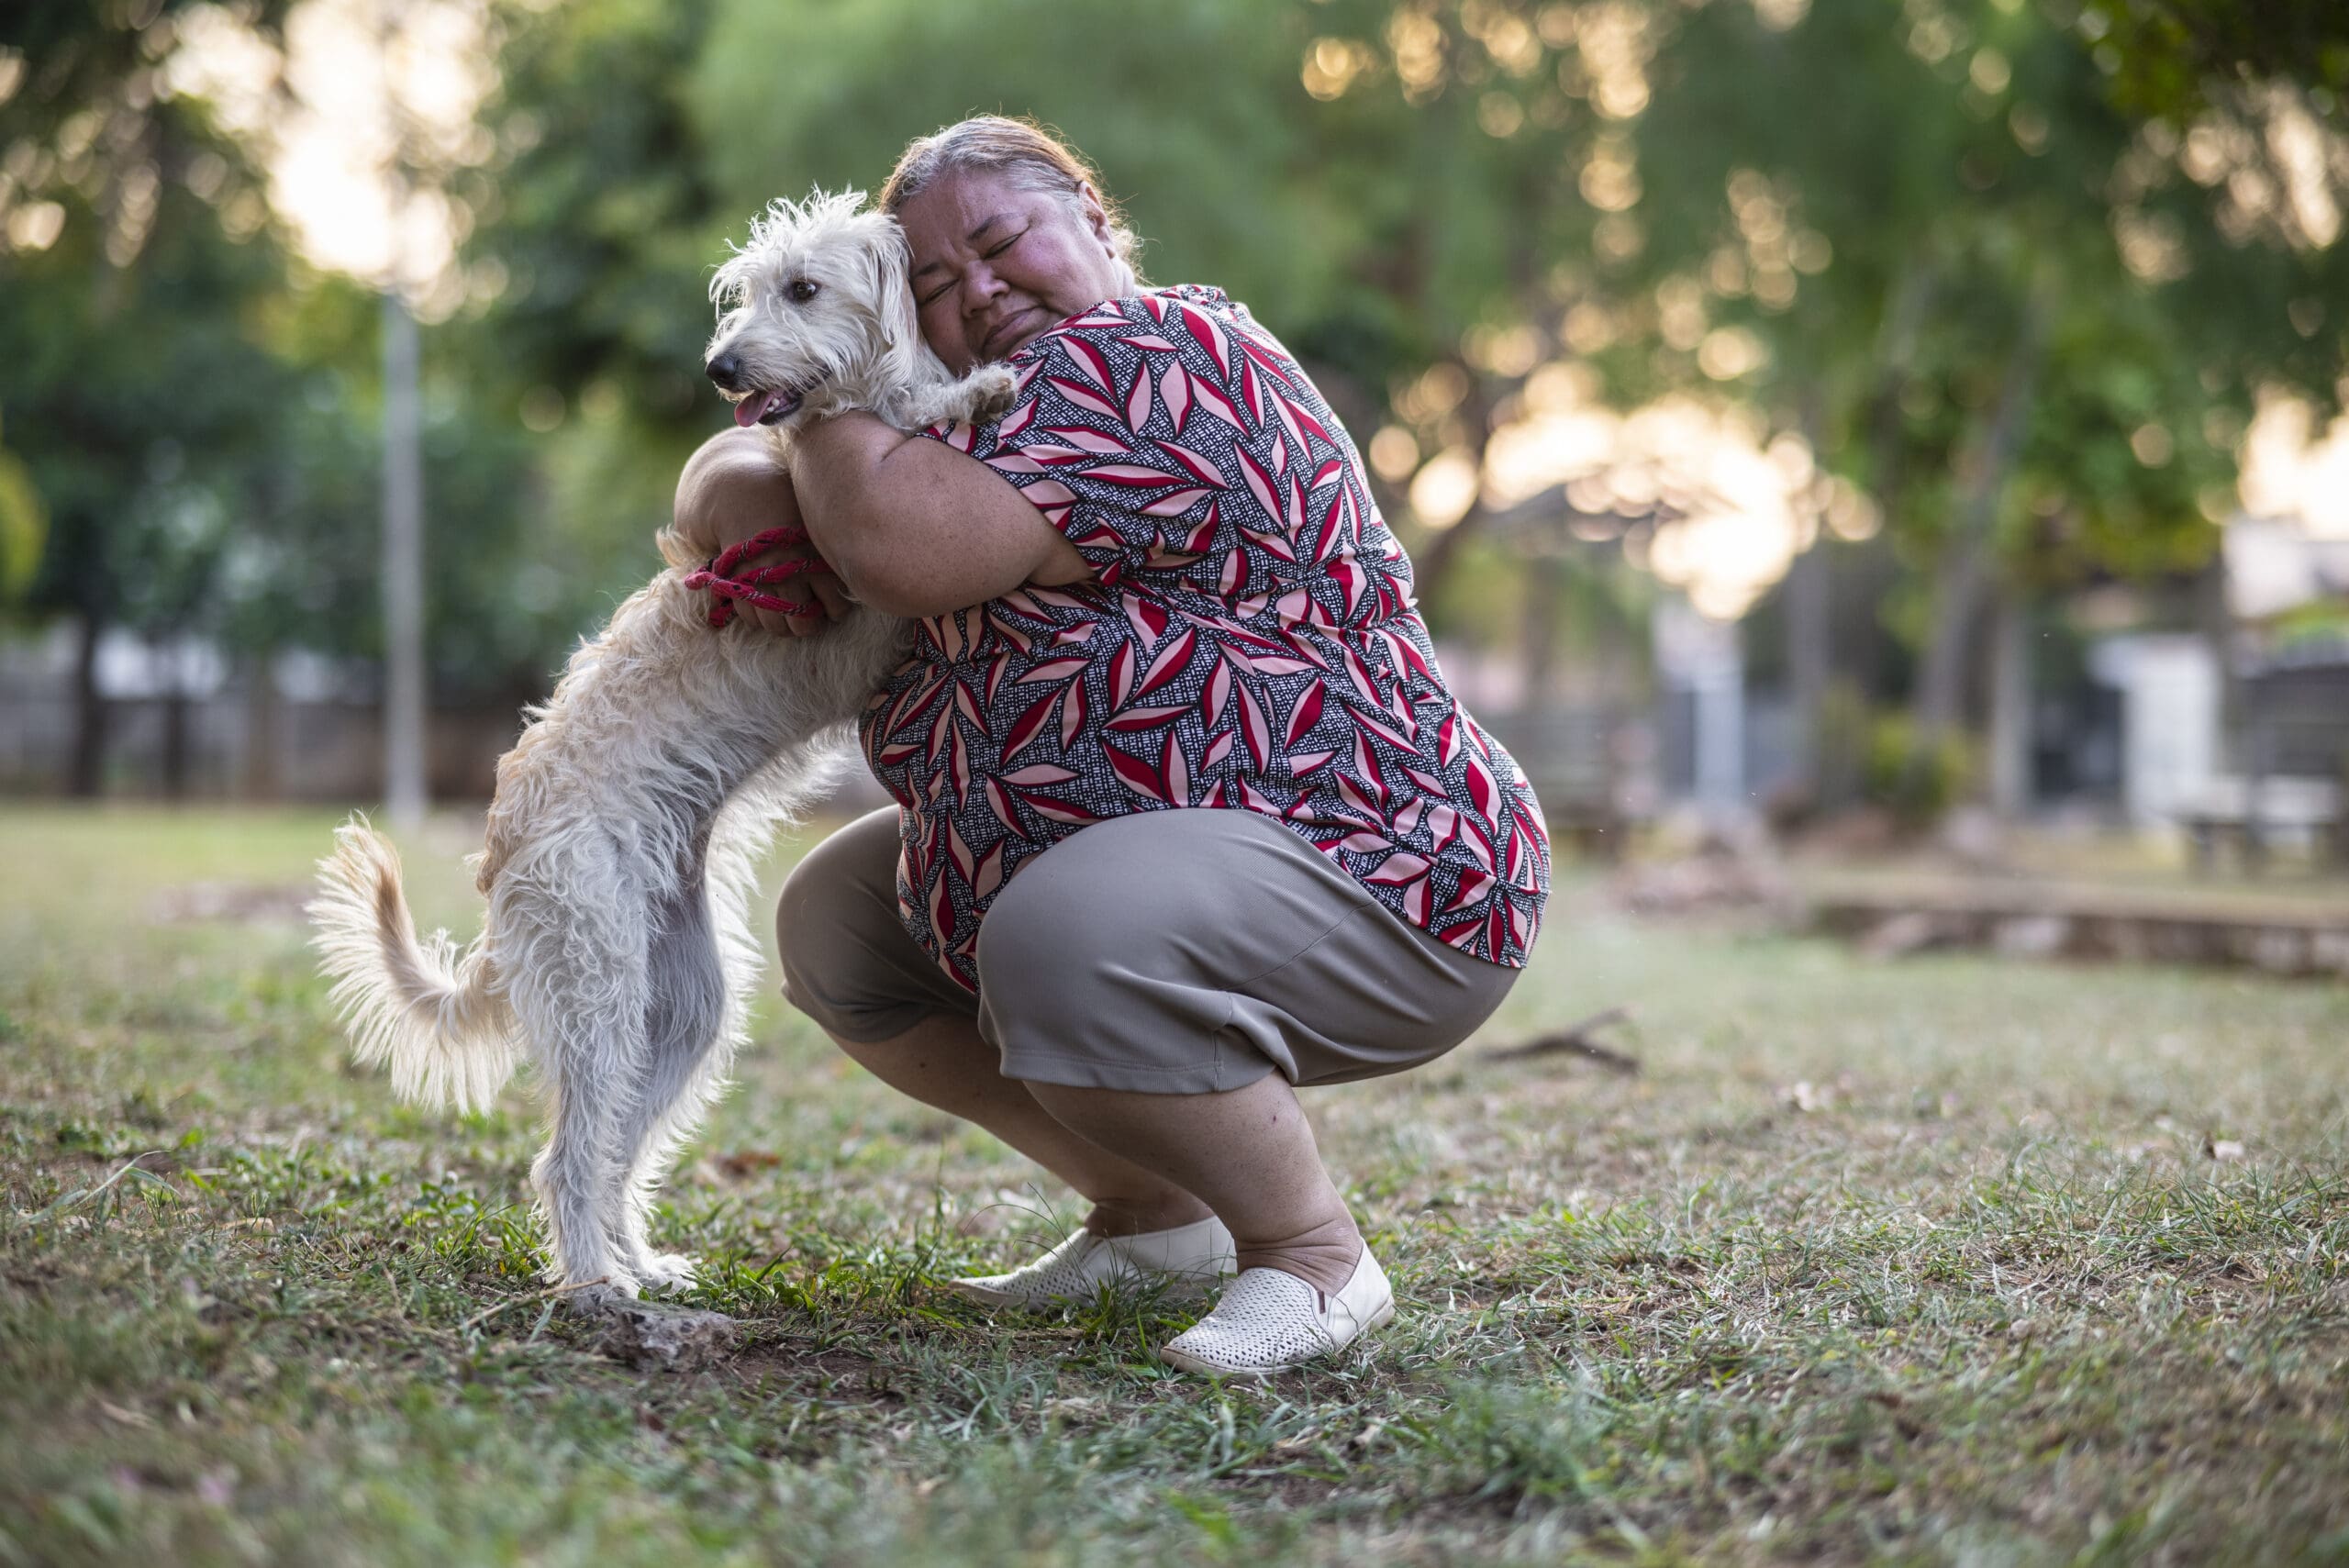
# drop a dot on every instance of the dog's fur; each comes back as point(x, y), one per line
point(629, 817)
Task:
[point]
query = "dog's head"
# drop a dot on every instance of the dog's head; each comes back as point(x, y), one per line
point(819, 297)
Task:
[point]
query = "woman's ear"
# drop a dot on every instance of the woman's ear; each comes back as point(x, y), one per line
point(1097, 216)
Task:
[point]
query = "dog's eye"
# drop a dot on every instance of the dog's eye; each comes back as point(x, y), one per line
point(801, 291)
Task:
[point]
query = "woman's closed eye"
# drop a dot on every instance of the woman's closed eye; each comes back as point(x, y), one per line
point(942, 290)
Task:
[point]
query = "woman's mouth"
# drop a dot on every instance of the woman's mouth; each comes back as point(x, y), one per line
point(1001, 339)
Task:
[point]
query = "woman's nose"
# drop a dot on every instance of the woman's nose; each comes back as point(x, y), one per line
point(980, 287)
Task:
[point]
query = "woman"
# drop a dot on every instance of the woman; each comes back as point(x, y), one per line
point(1159, 580)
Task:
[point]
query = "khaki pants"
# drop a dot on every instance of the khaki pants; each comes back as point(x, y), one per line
point(1179, 952)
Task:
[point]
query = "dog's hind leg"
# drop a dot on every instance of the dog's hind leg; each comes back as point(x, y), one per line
point(581, 996)
point(704, 965)
point(689, 1031)
point(573, 1177)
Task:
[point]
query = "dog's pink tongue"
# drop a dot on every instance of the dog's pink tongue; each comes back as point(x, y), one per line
point(747, 412)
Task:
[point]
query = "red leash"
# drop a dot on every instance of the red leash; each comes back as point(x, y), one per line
point(727, 581)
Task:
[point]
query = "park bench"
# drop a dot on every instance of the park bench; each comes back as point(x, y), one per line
point(2259, 812)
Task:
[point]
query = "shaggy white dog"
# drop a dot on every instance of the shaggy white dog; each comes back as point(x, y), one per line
point(622, 841)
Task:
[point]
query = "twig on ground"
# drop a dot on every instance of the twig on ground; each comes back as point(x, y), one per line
point(76, 1198)
point(1575, 1040)
point(478, 1319)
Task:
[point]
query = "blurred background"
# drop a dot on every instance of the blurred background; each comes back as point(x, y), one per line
point(1878, 421)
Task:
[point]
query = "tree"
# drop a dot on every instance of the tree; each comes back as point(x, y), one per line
point(1936, 252)
point(194, 407)
point(137, 391)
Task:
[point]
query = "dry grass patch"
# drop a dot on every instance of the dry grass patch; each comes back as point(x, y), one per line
point(1939, 1261)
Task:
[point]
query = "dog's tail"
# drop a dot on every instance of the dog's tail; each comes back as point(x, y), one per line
point(428, 1011)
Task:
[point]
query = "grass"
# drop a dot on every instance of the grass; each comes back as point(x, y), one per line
point(1920, 1263)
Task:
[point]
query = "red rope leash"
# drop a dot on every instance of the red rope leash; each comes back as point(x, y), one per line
point(727, 584)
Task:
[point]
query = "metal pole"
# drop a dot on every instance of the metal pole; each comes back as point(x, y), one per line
point(404, 697)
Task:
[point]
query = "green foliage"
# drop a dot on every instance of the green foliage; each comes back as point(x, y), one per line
point(603, 215)
point(2168, 57)
point(1877, 202)
point(24, 524)
point(197, 414)
point(1917, 782)
point(1223, 152)
point(1440, 188)
point(1945, 206)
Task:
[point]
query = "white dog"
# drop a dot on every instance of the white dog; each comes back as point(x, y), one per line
point(623, 838)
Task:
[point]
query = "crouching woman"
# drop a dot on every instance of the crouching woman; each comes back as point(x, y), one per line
point(1187, 818)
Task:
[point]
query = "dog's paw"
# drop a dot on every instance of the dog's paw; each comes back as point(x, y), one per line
point(985, 394)
point(992, 388)
point(666, 1270)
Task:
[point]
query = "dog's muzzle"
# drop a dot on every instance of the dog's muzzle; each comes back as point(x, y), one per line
point(753, 406)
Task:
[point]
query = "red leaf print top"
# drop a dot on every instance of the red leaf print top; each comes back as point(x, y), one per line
point(1250, 642)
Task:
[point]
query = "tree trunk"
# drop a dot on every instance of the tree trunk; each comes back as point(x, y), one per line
point(262, 714)
point(2010, 711)
point(168, 654)
point(2215, 620)
point(86, 774)
point(1432, 568)
point(1811, 628)
point(176, 739)
point(1912, 298)
point(1545, 601)
point(1810, 654)
point(1965, 567)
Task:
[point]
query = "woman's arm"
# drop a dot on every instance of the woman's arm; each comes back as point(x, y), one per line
point(916, 527)
point(731, 489)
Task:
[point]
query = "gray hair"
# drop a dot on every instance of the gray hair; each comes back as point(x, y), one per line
point(1027, 154)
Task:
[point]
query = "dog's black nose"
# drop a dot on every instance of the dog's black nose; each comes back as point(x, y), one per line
point(726, 370)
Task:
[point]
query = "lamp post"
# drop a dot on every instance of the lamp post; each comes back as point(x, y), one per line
point(405, 789)
point(402, 563)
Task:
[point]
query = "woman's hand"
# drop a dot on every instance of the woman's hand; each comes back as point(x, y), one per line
point(732, 488)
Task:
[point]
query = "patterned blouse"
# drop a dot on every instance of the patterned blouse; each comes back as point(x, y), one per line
point(1248, 642)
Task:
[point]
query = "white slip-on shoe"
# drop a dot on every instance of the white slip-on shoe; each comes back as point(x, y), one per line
point(1186, 1258)
point(1270, 1321)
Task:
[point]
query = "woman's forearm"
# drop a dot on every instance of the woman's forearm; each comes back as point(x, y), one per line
point(916, 527)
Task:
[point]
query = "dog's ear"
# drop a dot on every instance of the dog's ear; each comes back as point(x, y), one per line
point(893, 294)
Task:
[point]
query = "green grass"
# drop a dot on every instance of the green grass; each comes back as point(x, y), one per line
point(1919, 1263)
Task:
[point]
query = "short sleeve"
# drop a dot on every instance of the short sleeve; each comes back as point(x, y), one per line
point(1105, 436)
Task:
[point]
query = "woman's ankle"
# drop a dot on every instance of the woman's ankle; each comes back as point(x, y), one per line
point(1136, 1217)
point(1323, 1257)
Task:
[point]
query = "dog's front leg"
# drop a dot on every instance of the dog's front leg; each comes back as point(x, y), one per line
point(976, 399)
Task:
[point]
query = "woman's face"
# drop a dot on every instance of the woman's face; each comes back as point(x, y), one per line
point(994, 266)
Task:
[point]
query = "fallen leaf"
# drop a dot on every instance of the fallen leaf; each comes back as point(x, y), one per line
point(1809, 1097)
